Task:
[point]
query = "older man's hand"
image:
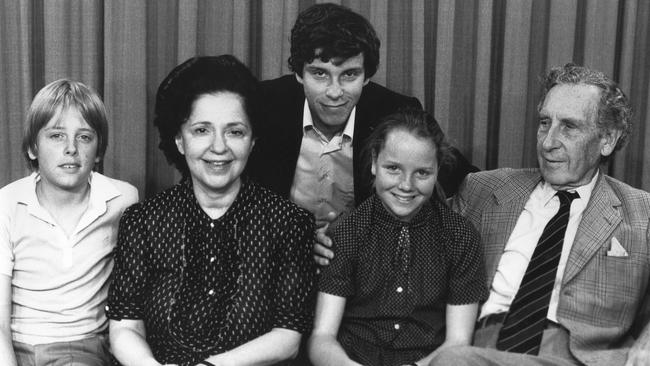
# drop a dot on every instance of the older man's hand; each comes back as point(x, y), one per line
point(638, 357)
point(639, 354)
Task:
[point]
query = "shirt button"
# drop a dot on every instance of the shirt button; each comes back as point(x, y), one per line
point(212, 259)
point(396, 326)
point(400, 289)
point(211, 292)
point(212, 224)
point(106, 307)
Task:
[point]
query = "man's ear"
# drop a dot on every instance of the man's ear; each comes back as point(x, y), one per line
point(179, 143)
point(608, 140)
point(373, 167)
point(298, 77)
point(366, 81)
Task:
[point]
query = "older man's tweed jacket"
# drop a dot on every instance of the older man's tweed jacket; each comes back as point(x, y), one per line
point(605, 299)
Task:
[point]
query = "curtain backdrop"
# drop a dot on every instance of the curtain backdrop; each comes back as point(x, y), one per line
point(474, 65)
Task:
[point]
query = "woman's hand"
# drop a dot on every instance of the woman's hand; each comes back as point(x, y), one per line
point(128, 341)
point(268, 349)
point(153, 362)
point(217, 360)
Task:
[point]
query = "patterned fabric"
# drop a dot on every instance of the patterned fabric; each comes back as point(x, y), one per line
point(526, 320)
point(403, 257)
point(395, 310)
point(605, 298)
point(205, 286)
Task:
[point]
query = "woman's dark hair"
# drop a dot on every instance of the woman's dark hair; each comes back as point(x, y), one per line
point(186, 83)
point(329, 31)
point(416, 122)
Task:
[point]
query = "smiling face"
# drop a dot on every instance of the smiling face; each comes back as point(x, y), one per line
point(332, 90)
point(66, 151)
point(405, 173)
point(216, 141)
point(569, 143)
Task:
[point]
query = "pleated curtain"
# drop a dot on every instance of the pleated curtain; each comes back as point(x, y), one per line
point(475, 65)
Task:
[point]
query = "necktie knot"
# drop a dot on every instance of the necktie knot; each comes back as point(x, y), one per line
point(566, 197)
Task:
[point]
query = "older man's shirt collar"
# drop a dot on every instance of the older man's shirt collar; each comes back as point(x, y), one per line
point(547, 192)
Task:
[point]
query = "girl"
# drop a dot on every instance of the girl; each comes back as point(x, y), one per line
point(58, 228)
point(406, 265)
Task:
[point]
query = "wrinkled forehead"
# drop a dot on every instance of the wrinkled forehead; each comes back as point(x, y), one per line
point(574, 101)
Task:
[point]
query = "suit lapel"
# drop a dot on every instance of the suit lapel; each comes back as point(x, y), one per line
point(501, 218)
point(363, 127)
point(295, 131)
point(293, 135)
point(599, 220)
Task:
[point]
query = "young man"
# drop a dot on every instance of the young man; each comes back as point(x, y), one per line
point(316, 120)
point(58, 229)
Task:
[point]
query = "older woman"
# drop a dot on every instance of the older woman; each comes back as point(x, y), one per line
point(215, 270)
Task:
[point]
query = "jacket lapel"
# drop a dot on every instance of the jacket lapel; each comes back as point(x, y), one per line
point(501, 218)
point(599, 220)
point(292, 136)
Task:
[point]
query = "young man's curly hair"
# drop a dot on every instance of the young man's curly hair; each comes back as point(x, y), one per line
point(333, 32)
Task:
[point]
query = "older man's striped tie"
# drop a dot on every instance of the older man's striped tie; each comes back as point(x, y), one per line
point(523, 327)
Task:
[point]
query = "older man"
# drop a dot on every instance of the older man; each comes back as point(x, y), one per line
point(567, 247)
point(317, 119)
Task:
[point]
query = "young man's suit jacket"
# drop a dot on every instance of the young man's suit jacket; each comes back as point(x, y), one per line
point(274, 157)
point(605, 299)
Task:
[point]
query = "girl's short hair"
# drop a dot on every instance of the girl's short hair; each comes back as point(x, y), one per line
point(57, 97)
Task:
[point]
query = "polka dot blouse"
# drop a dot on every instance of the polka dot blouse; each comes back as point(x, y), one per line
point(205, 286)
point(398, 278)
